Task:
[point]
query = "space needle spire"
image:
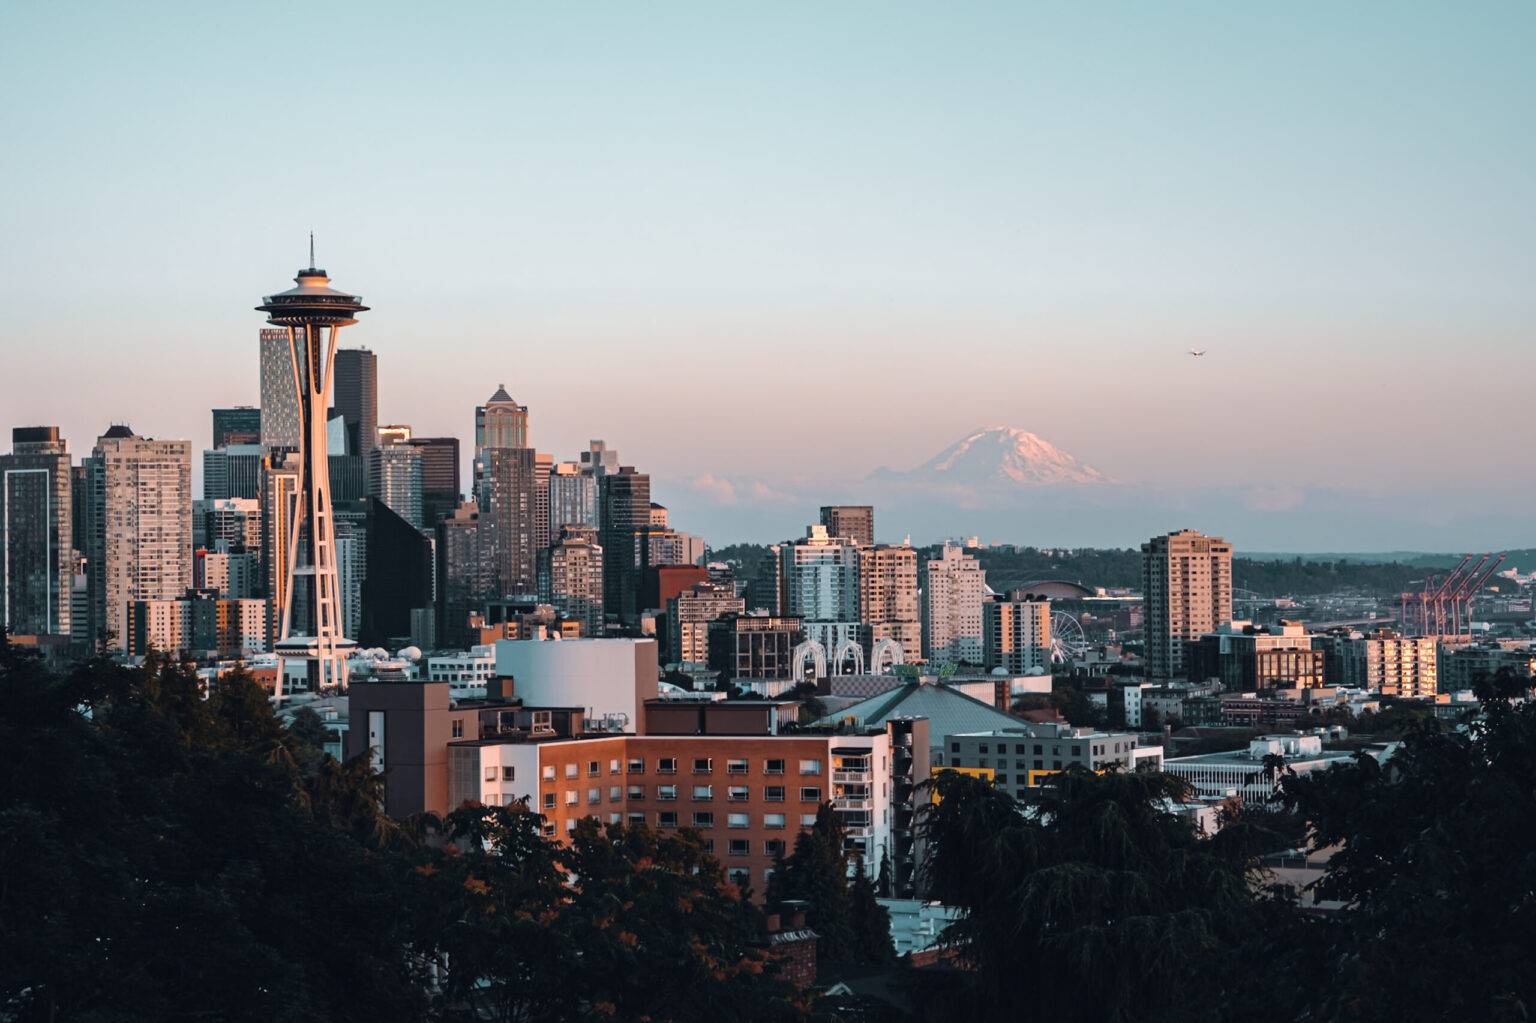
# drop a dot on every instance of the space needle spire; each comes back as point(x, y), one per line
point(311, 629)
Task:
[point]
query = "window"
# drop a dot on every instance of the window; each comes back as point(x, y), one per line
point(571, 795)
point(702, 793)
point(954, 747)
point(703, 765)
point(807, 820)
point(637, 792)
point(981, 762)
point(982, 748)
point(594, 795)
point(1039, 765)
point(773, 847)
point(490, 773)
point(773, 820)
point(1018, 750)
point(666, 765)
point(508, 773)
point(738, 794)
point(548, 772)
point(549, 829)
point(774, 793)
point(635, 818)
point(703, 819)
point(1018, 765)
point(666, 792)
point(958, 762)
point(737, 820)
point(1001, 779)
point(666, 819)
point(615, 793)
point(571, 770)
point(735, 767)
point(594, 769)
point(458, 728)
point(773, 767)
point(810, 767)
point(636, 767)
point(613, 818)
point(739, 876)
point(1039, 749)
point(1077, 751)
point(549, 800)
point(613, 766)
point(570, 825)
point(740, 847)
point(810, 794)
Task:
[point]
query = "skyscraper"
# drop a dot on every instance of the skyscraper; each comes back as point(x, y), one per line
point(625, 509)
point(1186, 582)
point(395, 477)
point(572, 497)
point(398, 578)
point(36, 533)
point(952, 599)
point(688, 617)
point(888, 600)
point(238, 425)
point(233, 471)
point(144, 549)
point(311, 314)
point(357, 398)
point(1016, 633)
point(854, 522)
point(279, 494)
point(440, 492)
point(279, 404)
point(505, 492)
point(571, 578)
point(820, 577)
point(463, 572)
point(500, 423)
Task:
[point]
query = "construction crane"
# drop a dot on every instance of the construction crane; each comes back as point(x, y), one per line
point(1442, 606)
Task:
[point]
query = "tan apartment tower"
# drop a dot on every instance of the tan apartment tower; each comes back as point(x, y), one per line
point(1186, 582)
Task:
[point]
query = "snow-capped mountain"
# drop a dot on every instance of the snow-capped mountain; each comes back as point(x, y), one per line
point(1000, 455)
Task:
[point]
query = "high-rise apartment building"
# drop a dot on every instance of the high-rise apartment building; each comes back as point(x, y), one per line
point(36, 533)
point(500, 423)
point(238, 425)
point(888, 598)
point(952, 600)
point(357, 398)
point(145, 548)
point(572, 497)
point(820, 577)
point(1016, 633)
point(599, 459)
point(625, 511)
point(279, 401)
point(688, 617)
point(233, 525)
point(505, 485)
point(395, 477)
point(854, 522)
point(463, 572)
point(440, 494)
point(754, 645)
point(571, 577)
point(1186, 581)
point(543, 466)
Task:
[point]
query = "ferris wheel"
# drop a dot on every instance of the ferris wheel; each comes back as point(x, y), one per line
point(1067, 639)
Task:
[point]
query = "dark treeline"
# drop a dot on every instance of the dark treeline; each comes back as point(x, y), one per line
point(169, 857)
point(1100, 904)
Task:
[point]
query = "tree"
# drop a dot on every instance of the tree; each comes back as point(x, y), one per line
point(843, 912)
point(1433, 852)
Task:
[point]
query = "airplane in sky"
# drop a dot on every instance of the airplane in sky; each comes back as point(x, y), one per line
point(1197, 352)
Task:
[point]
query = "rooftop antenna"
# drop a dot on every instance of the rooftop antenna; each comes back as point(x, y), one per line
point(311, 250)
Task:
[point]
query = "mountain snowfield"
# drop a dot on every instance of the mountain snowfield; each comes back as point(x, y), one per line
point(1004, 455)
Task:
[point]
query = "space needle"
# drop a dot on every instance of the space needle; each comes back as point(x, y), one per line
point(313, 313)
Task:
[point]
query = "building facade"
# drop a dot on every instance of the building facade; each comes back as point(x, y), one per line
point(888, 597)
point(395, 477)
point(852, 522)
point(1016, 633)
point(357, 398)
point(1186, 580)
point(952, 602)
point(625, 513)
point(571, 577)
point(279, 402)
point(689, 615)
point(37, 533)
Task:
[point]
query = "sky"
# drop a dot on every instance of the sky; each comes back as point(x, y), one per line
point(785, 244)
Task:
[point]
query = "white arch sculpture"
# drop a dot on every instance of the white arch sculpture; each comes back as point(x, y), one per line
point(885, 655)
point(818, 655)
point(845, 648)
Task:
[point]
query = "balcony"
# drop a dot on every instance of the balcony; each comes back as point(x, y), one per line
point(864, 833)
point(862, 804)
point(860, 777)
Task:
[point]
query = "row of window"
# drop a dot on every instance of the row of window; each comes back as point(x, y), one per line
point(1021, 749)
point(704, 821)
point(1002, 765)
point(669, 765)
point(668, 793)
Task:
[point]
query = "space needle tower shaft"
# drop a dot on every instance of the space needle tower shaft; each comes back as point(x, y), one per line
point(313, 314)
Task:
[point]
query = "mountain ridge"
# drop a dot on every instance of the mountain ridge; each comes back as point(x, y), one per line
point(1000, 456)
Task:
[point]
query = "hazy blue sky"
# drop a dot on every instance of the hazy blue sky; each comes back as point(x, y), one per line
point(791, 240)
